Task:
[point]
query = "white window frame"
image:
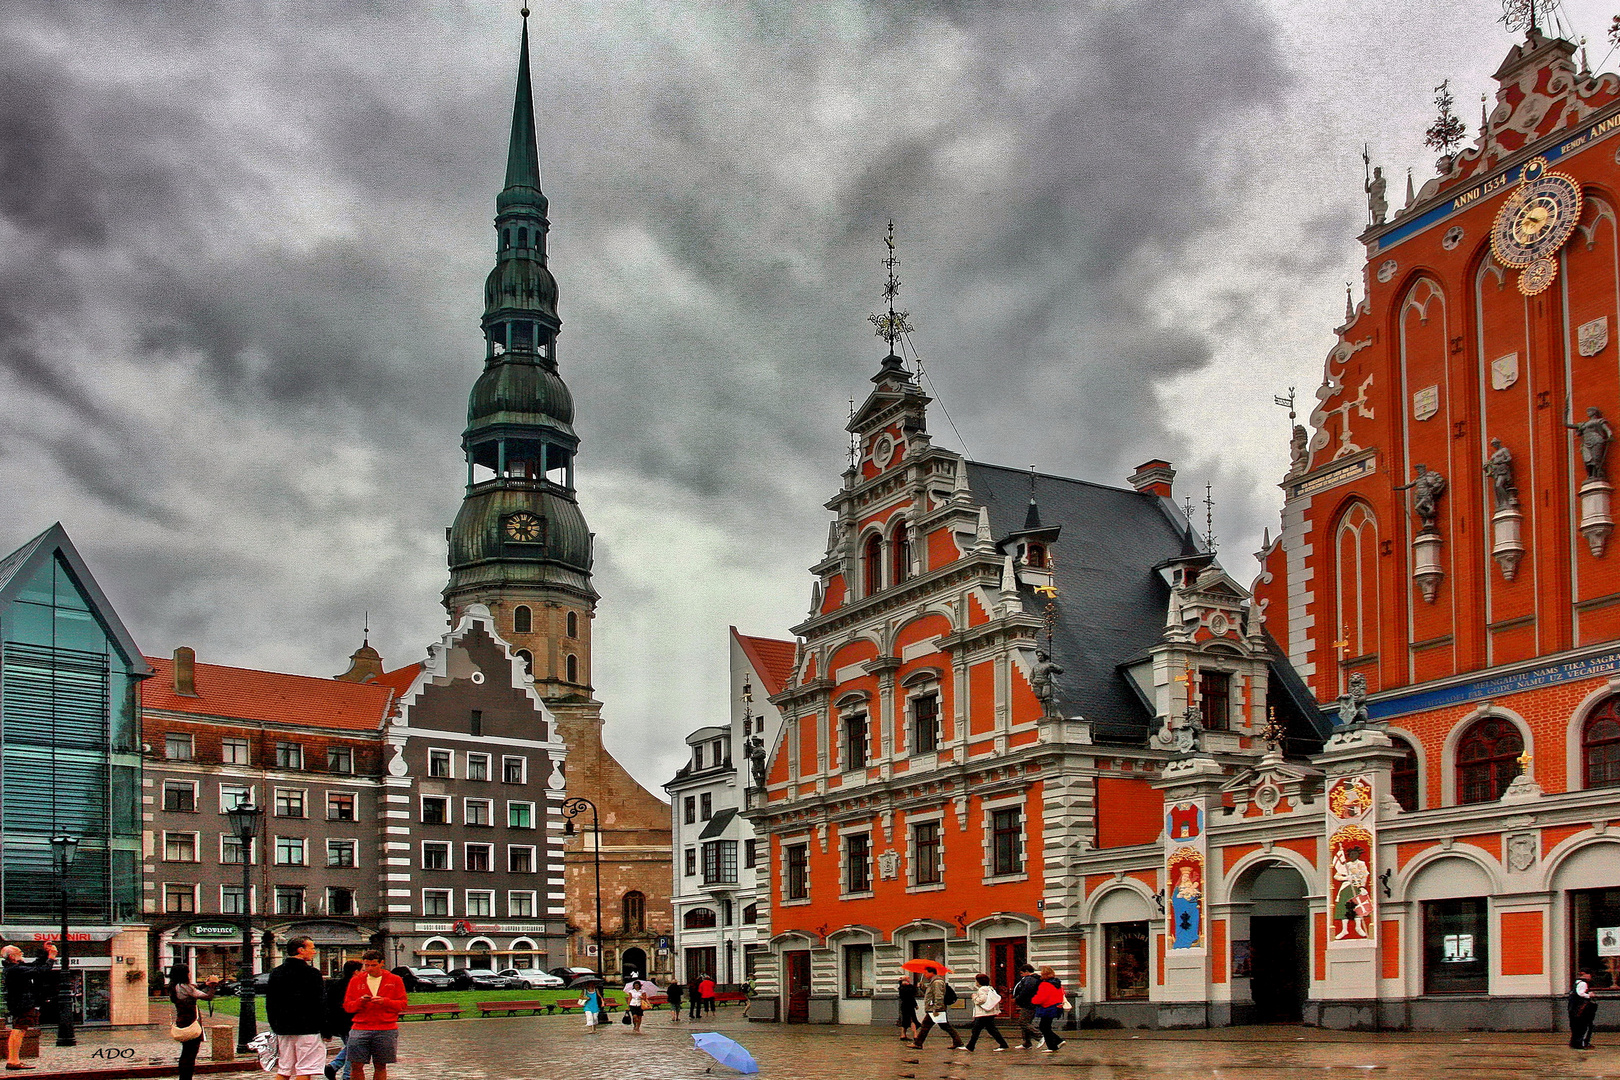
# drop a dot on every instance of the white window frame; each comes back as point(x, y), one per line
point(534, 858)
point(196, 796)
point(449, 855)
point(533, 899)
point(252, 852)
point(521, 802)
point(252, 795)
point(449, 904)
point(466, 815)
point(303, 847)
point(450, 756)
point(921, 684)
point(466, 856)
point(912, 820)
point(843, 855)
point(354, 901)
point(488, 767)
point(252, 900)
point(303, 899)
point(303, 801)
point(449, 809)
point(353, 796)
point(354, 846)
point(344, 772)
point(987, 812)
point(196, 845)
point(525, 768)
point(299, 766)
point(467, 903)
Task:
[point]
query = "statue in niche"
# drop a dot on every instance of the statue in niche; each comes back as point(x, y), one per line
point(1426, 488)
point(1043, 680)
point(754, 751)
point(1353, 704)
point(1377, 205)
point(1595, 435)
point(1499, 467)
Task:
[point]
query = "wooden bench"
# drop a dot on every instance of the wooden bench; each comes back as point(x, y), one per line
point(731, 997)
point(447, 1009)
point(511, 1008)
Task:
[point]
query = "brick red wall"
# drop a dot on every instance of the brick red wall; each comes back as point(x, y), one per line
point(1129, 811)
point(1520, 947)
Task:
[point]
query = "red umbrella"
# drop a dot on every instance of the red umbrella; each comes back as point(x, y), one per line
point(925, 967)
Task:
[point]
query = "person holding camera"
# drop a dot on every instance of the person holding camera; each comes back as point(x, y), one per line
point(21, 983)
point(187, 1030)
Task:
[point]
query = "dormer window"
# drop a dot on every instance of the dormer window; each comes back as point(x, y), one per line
point(1215, 700)
point(697, 758)
point(1035, 556)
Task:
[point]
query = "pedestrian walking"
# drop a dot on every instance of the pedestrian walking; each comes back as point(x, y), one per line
point(986, 1004)
point(375, 997)
point(937, 1000)
point(339, 1020)
point(636, 1004)
point(694, 997)
point(187, 1029)
point(591, 1006)
point(907, 1022)
point(295, 1006)
point(706, 990)
point(1049, 1002)
point(1582, 1012)
point(21, 980)
point(674, 995)
point(1023, 994)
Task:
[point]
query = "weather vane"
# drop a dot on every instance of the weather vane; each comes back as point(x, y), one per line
point(1518, 15)
point(891, 326)
point(1286, 402)
point(1209, 516)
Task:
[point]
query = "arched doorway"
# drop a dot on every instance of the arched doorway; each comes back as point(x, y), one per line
point(633, 964)
point(1271, 944)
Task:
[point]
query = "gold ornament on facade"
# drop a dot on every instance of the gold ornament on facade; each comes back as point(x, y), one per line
point(1534, 223)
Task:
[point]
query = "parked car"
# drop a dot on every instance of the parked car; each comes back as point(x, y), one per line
point(228, 988)
point(483, 979)
point(569, 974)
point(534, 978)
point(424, 978)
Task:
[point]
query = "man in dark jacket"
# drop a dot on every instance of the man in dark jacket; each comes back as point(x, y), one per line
point(295, 1005)
point(1023, 991)
point(21, 982)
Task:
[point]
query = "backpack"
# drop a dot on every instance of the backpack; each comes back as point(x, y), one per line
point(950, 995)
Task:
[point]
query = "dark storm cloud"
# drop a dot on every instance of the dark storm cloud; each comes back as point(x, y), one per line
point(271, 225)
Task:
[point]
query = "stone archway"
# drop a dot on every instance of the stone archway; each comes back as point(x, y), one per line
point(1270, 930)
point(633, 963)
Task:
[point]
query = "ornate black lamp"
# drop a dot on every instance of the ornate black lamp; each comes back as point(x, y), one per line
point(571, 809)
point(244, 819)
point(63, 849)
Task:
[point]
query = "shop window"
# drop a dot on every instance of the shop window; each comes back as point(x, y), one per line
point(925, 724)
point(1007, 841)
point(1126, 961)
point(698, 918)
point(855, 742)
point(522, 619)
point(1487, 759)
point(858, 863)
point(1594, 935)
point(1403, 775)
point(902, 553)
point(798, 871)
point(1455, 946)
point(1600, 746)
point(873, 563)
point(1215, 700)
point(925, 844)
point(859, 971)
point(635, 912)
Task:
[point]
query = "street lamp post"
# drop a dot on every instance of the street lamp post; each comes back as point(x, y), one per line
point(244, 818)
point(571, 809)
point(63, 848)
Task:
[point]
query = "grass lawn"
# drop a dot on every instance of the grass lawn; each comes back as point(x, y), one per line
point(467, 999)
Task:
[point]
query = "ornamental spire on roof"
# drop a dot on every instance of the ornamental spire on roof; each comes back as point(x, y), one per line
point(522, 156)
point(892, 326)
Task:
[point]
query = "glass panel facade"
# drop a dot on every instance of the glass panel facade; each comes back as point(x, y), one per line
point(69, 757)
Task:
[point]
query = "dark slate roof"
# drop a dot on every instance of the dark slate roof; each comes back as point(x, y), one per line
point(1111, 601)
point(717, 824)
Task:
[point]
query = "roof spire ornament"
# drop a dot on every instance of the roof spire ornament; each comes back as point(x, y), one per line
point(890, 327)
point(1519, 15)
point(1448, 131)
point(1209, 516)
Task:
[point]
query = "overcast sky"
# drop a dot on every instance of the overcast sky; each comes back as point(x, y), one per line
point(242, 249)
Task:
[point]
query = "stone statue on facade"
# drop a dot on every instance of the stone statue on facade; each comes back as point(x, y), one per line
point(1499, 467)
point(1043, 680)
point(1377, 205)
point(1426, 488)
point(1353, 704)
point(1595, 435)
point(1299, 455)
point(754, 751)
point(1182, 733)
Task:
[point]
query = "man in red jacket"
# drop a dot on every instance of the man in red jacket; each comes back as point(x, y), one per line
point(375, 997)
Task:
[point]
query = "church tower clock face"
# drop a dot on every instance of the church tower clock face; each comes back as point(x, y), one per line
point(523, 528)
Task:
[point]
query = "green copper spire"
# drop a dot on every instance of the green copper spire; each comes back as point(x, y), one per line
point(522, 158)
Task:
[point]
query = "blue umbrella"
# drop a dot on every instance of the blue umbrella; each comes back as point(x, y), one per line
point(725, 1051)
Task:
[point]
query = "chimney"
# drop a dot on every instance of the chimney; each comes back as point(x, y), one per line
point(185, 673)
point(1153, 478)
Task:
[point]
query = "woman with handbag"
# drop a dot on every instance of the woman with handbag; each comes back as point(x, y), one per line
point(187, 1029)
point(1050, 1002)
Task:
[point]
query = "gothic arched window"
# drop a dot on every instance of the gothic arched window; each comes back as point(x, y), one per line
point(874, 564)
point(573, 624)
point(1600, 746)
point(522, 620)
point(635, 912)
point(902, 553)
point(1355, 549)
point(1403, 775)
point(1487, 759)
point(528, 661)
point(572, 666)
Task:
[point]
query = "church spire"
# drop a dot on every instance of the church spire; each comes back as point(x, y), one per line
point(522, 156)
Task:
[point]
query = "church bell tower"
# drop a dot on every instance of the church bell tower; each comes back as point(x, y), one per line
point(519, 545)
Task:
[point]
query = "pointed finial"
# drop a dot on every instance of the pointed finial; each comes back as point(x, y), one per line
point(890, 327)
point(366, 634)
point(1484, 120)
point(1349, 305)
point(1209, 516)
point(525, 11)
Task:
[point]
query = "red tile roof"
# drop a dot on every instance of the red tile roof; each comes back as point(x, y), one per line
point(270, 696)
point(773, 659)
point(399, 680)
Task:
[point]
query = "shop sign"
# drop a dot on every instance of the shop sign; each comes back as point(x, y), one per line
point(213, 930)
point(48, 933)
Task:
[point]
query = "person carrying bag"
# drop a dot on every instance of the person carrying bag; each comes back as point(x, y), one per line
point(187, 1028)
point(1050, 1003)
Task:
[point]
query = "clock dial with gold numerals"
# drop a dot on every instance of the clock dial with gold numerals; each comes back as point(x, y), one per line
point(1534, 222)
point(523, 528)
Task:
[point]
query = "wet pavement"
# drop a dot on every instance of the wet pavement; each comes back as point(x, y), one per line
point(560, 1048)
